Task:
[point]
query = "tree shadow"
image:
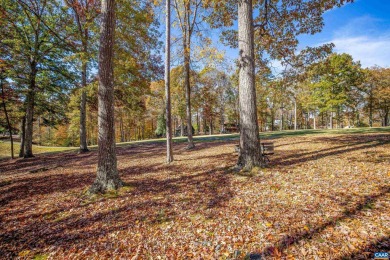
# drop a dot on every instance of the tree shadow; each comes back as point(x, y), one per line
point(379, 245)
point(292, 157)
point(149, 201)
point(348, 213)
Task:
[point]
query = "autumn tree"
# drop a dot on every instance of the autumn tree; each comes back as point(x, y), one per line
point(377, 90)
point(85, 13)
point(137, 62)
point(178, 96)
point(188, 13)
point(167, 78)
point(107, 173)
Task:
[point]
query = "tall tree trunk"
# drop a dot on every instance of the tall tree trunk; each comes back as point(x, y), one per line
point(174, 126)
point(295, 114)
point(30, 113)
point(167, 81)
point(29, 121)
point(331, 119)
point(7, 119)
point(250, 155)
point(143, 130)
point(83, 108)
point(204, 123)
point(39, 131)
point(197, 122)
point(181, 127)
point(281, 119)
point(22, 136)
point(314, 120)
point(338, 117)
point(187, 84)
point(107, 174)
point(222, 121)
point(122, 132)
point(211, 125)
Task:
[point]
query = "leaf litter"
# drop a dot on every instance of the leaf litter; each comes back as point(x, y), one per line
point(321, 197)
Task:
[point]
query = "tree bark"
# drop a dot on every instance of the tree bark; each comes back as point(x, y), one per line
point(181, 127)
point(187, 82)
point(81, 21)
point(295, 113)
point(314, 120)
point(331, 119)
point(250, 155)
point(197, 122)
point(281, 119)
point(83, 108)
point(107, 174)
point(122, 132)
point(222, 120)
point(39, 131)
point(22, 136)
point(167, 81)
point(29, 121)
point(211, 125)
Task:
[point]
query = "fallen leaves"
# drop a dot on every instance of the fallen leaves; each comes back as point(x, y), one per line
point(326, 198)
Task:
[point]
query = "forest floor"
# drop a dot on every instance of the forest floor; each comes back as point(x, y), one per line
point(322, 196)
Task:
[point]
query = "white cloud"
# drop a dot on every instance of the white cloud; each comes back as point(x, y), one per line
point(365, 41)
point(368, 50)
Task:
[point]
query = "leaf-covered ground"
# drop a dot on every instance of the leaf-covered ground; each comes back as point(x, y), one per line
point(322, 197)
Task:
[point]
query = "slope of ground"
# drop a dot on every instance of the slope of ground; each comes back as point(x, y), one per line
point(324, 196)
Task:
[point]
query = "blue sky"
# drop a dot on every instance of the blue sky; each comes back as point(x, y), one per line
point(361, 29)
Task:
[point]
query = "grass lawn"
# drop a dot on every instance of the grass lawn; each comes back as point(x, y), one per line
point(5, 149)
point(325, 195)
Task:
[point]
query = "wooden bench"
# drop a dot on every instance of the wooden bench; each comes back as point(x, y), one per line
point(267, 148)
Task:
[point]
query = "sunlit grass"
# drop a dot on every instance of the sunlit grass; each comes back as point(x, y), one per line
point(5, 146)
point(5, 149)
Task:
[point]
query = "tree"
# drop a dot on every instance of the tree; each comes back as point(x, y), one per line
point(188, 14)
point(36, 48)
point(137, 62)
point(167, 81)
point(178, 95)
point(85, 12)
point(379, 99)
point(334, 83)
point(250, 155)
point(211, 97)
point(107, 173)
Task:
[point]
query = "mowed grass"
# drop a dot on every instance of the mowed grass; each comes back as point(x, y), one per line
point(322, 196)
point(5, 149)
point(5, 146)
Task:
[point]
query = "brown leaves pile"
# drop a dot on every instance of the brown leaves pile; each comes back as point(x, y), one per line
point(324, 196)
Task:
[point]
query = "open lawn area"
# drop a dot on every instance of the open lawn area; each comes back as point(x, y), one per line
point(324, 195)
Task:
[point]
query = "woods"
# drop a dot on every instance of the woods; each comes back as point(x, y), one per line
point(56, 65)
point(129, 112)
